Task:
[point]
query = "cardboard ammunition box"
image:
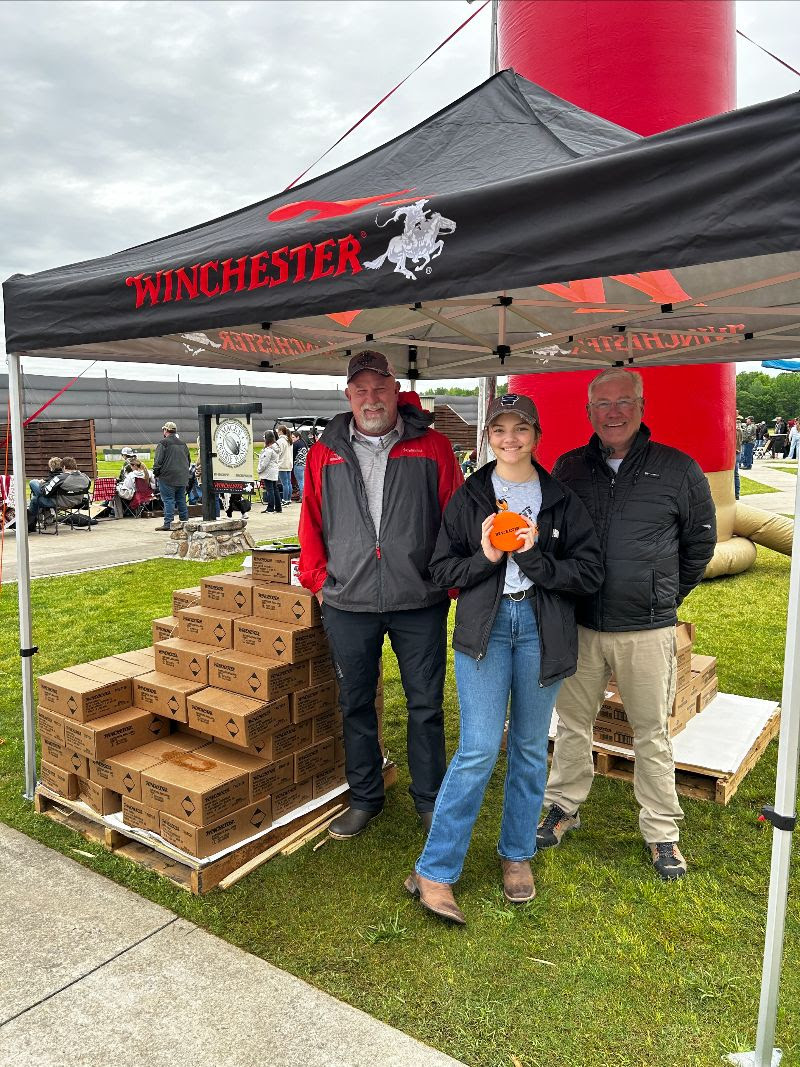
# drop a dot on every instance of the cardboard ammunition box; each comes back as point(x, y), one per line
point(324, 783)
point(275, 746)
point(195, 788)
point(96, 673)
point(264, 777)
point(182, 659)
point(136, 815)
point(707, 694)
point(145, 656)
point(326, 725)
point(237, 719)
point(123, 773)
point(253, 676)
point(278, 640)
point(65, 783)
point(115, 733)
point(614, 733)
point(306, 703)
point(119, 667)
point(82, 699)
point(684, 706)
point(66, 759)
point(230, 592)
point(204, 841)
point(293, 796)
point(315, 759)
point(276, 565)
point(320, 669)
point(165, 628)
point(611, 709)
point(164, 695)
point(185, 598)
point(704, 670)
point(279, 603)
point(51, 725)
point(207, 626)
point(103, 801)
point(684, 636)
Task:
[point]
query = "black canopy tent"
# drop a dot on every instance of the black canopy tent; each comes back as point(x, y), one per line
point(462, 248)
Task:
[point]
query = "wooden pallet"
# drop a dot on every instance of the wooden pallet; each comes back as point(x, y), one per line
point(696, 782)
point(196, 876)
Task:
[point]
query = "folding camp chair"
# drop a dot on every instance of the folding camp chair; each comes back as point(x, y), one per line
point(105, 492)
point(68, 506)
point(138, 503)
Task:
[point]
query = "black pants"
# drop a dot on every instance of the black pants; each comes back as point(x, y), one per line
point(419, 640)
point(272, 492)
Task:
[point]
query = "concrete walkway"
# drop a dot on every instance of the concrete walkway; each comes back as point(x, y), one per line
point(94, 975)
point(115, 541)
point(766, 471)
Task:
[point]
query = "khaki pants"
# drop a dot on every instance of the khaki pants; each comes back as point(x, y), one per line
point(643, 663)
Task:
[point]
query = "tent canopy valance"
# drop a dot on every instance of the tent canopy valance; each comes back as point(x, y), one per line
point(510, 232)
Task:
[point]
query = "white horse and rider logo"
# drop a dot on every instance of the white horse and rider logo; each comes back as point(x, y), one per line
point(419, 242)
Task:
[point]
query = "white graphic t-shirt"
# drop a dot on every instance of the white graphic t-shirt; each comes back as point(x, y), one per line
point(525, 498)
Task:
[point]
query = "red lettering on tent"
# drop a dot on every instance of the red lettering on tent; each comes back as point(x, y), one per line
point(147, 287)
point(323, 254)
point(349, 248)
point(299, 255)
point(279, 260)
point(205, 286)
point(184, 281)
point(233, 272)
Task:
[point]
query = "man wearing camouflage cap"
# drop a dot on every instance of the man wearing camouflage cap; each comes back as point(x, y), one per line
point(171, 468)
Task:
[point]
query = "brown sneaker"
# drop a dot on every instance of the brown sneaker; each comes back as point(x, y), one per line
point(554, 825)
point(667, 860)
point(518, 887)
point(436, 897)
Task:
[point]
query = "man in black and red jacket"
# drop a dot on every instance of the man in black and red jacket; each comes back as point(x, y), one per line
point(376, 485)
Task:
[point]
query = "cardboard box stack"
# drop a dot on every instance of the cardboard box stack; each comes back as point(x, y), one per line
point(227, 724)
point(696, 686)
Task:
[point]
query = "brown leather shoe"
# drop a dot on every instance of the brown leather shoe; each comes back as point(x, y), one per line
point(436, 897)
point(518, 887)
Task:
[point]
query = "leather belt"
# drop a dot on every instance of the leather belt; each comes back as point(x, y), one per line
point(521, 594)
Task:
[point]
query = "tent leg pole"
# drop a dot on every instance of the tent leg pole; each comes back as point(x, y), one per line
point(23, 572)
point(783, 812)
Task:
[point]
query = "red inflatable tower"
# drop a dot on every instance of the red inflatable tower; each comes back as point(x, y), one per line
point(648, 66)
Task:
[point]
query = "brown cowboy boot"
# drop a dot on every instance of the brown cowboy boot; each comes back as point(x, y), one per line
point(436, 897)
point(518, 887)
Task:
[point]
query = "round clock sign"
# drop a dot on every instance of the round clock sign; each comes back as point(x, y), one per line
point(232, 442)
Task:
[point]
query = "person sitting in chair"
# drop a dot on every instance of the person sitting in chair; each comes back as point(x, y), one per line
point(66, 483)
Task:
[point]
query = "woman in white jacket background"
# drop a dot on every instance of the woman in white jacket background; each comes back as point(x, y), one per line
point(268, 472)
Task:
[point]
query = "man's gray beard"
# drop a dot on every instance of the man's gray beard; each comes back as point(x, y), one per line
point(375, 425)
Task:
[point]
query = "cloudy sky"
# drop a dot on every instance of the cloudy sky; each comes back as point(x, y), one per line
point(125, 120)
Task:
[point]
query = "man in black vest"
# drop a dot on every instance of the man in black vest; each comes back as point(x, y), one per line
point(653, 511)
point(171, 467)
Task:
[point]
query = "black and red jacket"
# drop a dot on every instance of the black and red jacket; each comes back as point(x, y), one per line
point(340, 551)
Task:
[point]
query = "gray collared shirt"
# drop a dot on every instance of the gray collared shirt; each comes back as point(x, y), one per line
point(372, 454)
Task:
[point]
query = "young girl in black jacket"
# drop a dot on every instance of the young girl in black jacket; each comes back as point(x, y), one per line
point(515, 639)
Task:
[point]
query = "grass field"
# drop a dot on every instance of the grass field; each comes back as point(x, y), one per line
point(748, 487)
point(787, 470)
point(109, 468)
point(607, 966)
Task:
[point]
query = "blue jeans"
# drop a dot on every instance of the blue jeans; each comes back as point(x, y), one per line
point(736, 463)
point(172, 497)
point(286, 485)
point(300, 476)
point(747, 455)
point(509, 669)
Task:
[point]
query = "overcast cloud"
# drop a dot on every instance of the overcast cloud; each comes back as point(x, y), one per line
point(125, 120)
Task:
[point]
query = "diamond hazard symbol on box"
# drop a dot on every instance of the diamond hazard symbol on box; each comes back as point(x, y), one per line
point(298, 610)
point(231, 727)
point(188, 805)
point(129, 783)
point(173, 705)
point(76, 760)
point(72, 705)
point(258, 817)
point(155, 727)
point(219, 632)
point(279, 645)
point(194, 667)
point(239, 599)
point(254, 681)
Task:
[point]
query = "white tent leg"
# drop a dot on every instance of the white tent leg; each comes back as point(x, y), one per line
point(23, 572)
point(784, 811)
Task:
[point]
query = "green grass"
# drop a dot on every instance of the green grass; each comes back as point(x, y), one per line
point(110, 468)
point(788, 470)
point(747, 487)
point(606, 966)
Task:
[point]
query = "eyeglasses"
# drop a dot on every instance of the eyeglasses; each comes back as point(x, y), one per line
point(606, 405)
